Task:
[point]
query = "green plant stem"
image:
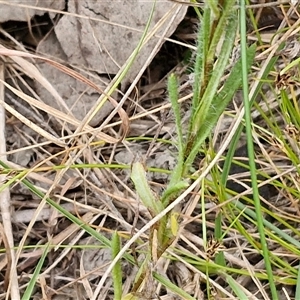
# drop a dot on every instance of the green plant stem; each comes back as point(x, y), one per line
point(250, 147)
point(30, 288)
point(205, 110)
point(117, 270)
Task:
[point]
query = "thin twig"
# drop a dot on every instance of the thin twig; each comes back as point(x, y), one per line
point(13, 287)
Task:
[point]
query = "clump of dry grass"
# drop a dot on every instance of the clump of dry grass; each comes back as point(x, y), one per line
point(74, 188)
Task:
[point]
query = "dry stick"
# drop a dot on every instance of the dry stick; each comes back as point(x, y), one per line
point(13, 286)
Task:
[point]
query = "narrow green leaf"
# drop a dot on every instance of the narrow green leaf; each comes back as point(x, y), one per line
point(213, 4)
point(227, 12)
point(222, 99)
point(173, 191)
point(214, 82)
point(138, 176)
point(250, 146)
point(202, 49)
point(172, 287)
point(117, 269)
point(130, 296)
point(173, 94)
point(297, 294)
point(237, 135)
point(29, 290)
point(236, 287)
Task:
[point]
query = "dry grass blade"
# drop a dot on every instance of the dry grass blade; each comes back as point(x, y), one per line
point(31, 125)
point(33, 72)
point(57, 114)
point(5, 205)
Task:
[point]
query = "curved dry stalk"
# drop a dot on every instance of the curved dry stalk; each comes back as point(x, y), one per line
point(32, 71)
point(13, 287)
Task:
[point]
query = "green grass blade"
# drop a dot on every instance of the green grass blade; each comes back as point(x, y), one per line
point(236, 137)
point(297, 294)
point(173, 95)
point(117, 269)
point(250, 146)
point(236, 288)
point(29, 290)
point(267, 224)
point(172, 287)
